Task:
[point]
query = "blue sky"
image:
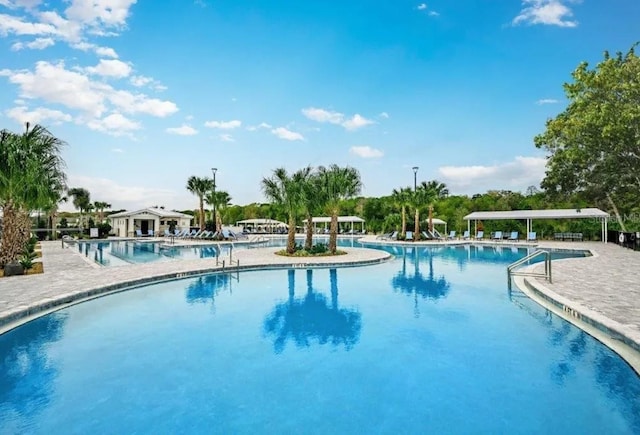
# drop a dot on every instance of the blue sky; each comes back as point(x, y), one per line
point(148, 93)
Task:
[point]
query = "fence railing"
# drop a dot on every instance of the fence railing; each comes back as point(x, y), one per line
point(630, 240)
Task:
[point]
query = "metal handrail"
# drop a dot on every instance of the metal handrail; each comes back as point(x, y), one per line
point(547, 266)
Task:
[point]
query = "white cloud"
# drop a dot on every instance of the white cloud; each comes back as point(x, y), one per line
point(422, 6)
point(36, 44)
point(384, 115)
point(321, 115)
point(21, 114)
point(114, 124)
point(10, 25)
point(223, 125)
point(259, 126)
point(111, 13)
point(119, 196)
point(434, 14)
point(547, 101)
point(547, 12)
point(227, 138)
point(366, 152)
point(111, 68)
point(117, 150)
point(54, 83)
point(356, 122)
point(285, 134)
point(183, 130)
point(99, 50)
point(15, 4)
point(515, 175)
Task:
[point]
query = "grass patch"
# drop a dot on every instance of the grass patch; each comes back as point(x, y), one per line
point(38, 267)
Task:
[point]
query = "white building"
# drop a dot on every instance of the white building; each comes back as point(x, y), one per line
point(125, 224)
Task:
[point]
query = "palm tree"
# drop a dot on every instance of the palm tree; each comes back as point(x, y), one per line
point(81, 201)
point(401, 199)
point(51, 208)
point(433, 190)
point(200, 186)
point(417, 199)
point(337, 184)
point(31, 176)
point(220, 200)
point(287, 191)
point(100, 207)
point(313, 200)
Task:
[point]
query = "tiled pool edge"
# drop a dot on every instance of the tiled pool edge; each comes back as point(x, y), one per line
point(609, 332)
point(23, 314)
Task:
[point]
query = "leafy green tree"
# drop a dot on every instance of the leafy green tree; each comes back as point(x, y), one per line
point(337, 184)
point(287, 191)
point(594, 144)
point(200, 187)
point(313, 201)
point(100, 207)
point(219, 200)
point(31, 177)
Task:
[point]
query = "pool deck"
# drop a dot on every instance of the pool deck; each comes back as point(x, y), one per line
point(603, 289)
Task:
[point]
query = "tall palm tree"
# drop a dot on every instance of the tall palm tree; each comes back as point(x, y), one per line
point(337, 184)
point(417, 200)
point(313, 200)
point(287, 191)
point(100, 207)
point(31, 175)
point(200, 187)
point(220, 200)
point(81, 201)
point(433, 191)
point(401, 199)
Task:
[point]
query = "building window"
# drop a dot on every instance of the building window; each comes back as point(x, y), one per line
point(161, 222)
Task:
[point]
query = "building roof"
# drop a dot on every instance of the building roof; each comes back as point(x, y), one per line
point(568, 213)
point(327, 219)
point(261, 222)
point(154, 211)
point(435, 221)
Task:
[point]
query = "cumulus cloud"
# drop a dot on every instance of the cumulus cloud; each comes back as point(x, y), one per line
point(329, 116)
point(383, 115)
point(546, 12)
point(40, 115)
point(183, 130)
point(36, 44)
point(422, 6)
point(223, 125)
point(547, 101)
point(286, 134)
point(366, 152)
point(115, 124)
point(111, 68)
point(515, 175)
point(227, 138)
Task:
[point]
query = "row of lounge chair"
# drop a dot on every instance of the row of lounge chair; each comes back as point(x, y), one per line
point(205, 234)
point(434, 235)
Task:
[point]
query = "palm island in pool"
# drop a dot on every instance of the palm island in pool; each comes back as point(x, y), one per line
point(430, 339)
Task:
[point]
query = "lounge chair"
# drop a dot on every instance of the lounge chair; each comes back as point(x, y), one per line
point(195, 235)
point(393, 236)
point(408, 235)
point(531, 237)
point(426, 235)
point(138, 233)
point(480, 235)
point(383, 236)
point(452, 235)
point(167, 233)
point(150, 233)
point(497, 235)
point(465, 235)
point(514, 236)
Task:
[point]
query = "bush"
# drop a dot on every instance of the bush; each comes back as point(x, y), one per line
point(319, 248)
point(104, 230)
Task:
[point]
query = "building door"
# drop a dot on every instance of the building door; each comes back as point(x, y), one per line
point(144, 227)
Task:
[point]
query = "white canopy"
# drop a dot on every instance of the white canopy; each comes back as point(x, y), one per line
point(341, 219)
point(260, 222)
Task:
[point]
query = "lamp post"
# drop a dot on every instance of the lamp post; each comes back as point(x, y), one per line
point(415, 178)
point(215, 222)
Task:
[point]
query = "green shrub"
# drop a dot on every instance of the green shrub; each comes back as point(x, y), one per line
point(27, 259)
point(318, 248)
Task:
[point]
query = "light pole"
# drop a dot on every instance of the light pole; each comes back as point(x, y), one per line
point(415, 178)
point(215, 222)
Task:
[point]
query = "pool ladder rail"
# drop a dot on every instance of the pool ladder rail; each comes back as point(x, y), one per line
point(511, 269)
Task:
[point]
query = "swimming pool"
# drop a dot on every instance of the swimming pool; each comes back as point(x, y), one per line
point(430, 342)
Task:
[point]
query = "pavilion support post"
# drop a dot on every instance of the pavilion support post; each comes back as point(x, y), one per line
point(469, 228)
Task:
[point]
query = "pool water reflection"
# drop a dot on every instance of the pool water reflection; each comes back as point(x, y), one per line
point(431, 341)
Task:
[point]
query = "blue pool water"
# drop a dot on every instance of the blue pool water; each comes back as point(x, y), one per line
point(430, 342)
